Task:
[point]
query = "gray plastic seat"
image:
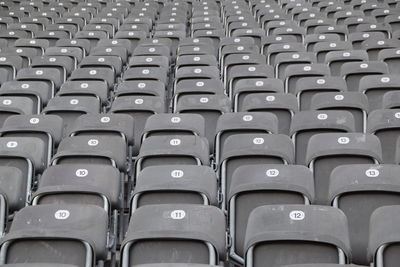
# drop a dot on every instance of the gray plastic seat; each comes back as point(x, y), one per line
point(323, 48)
point(155, 265)
point(52, 76)
point(245, 87)
point(109, 150)
point(105, 75)
point(354, 102)
point(383, 244)
point(305, 124)
point(291, 59)
point(236, 123)
point(391, 100)
point(352, 72)
point(264, 184)
point(392, 58)
point(373, 46)
point(375, 86)
point(140, 87)
point(176, 184)
point(251, 149)
point(140, 108)
point(358, 190)
point(49, 128)
point(70, 108)
point(283, 106)
point(307, 87)
point(180, 233)
point(93, 88)
point(100, 185)
point(38, 265)
point(208, 106)
point(120, 125)
point(77, 235)
point(335, 59)
point(312, 234)
point(172, 150)
point(174, 124)
point(297, 71)
point(328, 150)
point(386, 126)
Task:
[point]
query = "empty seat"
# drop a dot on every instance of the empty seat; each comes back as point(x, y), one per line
point(307, 87)
point(140, 108)
point(77, 235)
point(313, 234)
point(335, 59)
point(263, 184)
point(208, 106)
point(99, 185)
point(283, 106)
point(384, 237)
point(243, 123)
point(358, 190)
point(184, 184)
point(328, 150)
point(392, 58)
point(109, 150)
point(297, 71)
point(174, 124)
point(71, 107)
point(384, 123)
point(250, 149)
point(180, 233)
point(352, 72)
point(172, 150)
point(356, 103)
point(305, 124)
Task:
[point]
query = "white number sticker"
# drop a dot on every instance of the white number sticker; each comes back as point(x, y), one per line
point(372, 173)
point(297, 215)
point(178, 214)
point(177, 174)
point(272, 172)
point(81, 172)
point(61, 214)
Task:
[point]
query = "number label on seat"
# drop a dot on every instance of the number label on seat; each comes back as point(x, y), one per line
point(178, 214)
point(61, 214)
point(297, 215)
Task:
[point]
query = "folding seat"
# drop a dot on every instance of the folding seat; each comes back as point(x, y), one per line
point(147, 73)
point(181, 233)
point(341, 15)
point(82, 44)
point(392, 58)
point(12, 35)
point(356, 103)
point(116, 51)
point(238, 123)
point(352, 72)
point(311, 23)
point(172, 150)
point(22, 159)
point(64, 63)
point(381, 13)
point(341, 30)
point(322, 48)
point(149, 61)
point(174, 124)
point(116, 43)
point(274, 50)
point(114, 63)
point(208, 106)
point(197, 86)
point(233, 60)
point(353, 22)
point(373, 47)
point(105, 75)
point(175, 184)
point(274, 24)
point(358, 190)
point(92, 149)
point(297, 71)
point(312, 39)
point(120, 125)
point(250, 149)
point(52, 76)
point(328, 150)
point(237, 48)
point(243, 72)
point(298, 32)
point(375, 86)
point(16, 105)
point(93, 36)
point(313, 234)
point(48, 128)
point(11, 64)
point(40, 45)
point(71, 107)
point(265, 184)
point(306, 124)
point(378, 27)
point(29, 28)
point(356, 38)
point(101, 186)
point(335, 59)
point(391, 100)
point(321, 265)
point(39, 92)
point(393, 21)
point(314, 15)
point(284, 60)
point(307, 87)
point(140, 108)
point(140, 88)
point(52, 36)
point(76, 234)
point(367, 8)
point(269, 40)
point(383, 236)
point(282, 105)
point(186, 60)
point(97, 89)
